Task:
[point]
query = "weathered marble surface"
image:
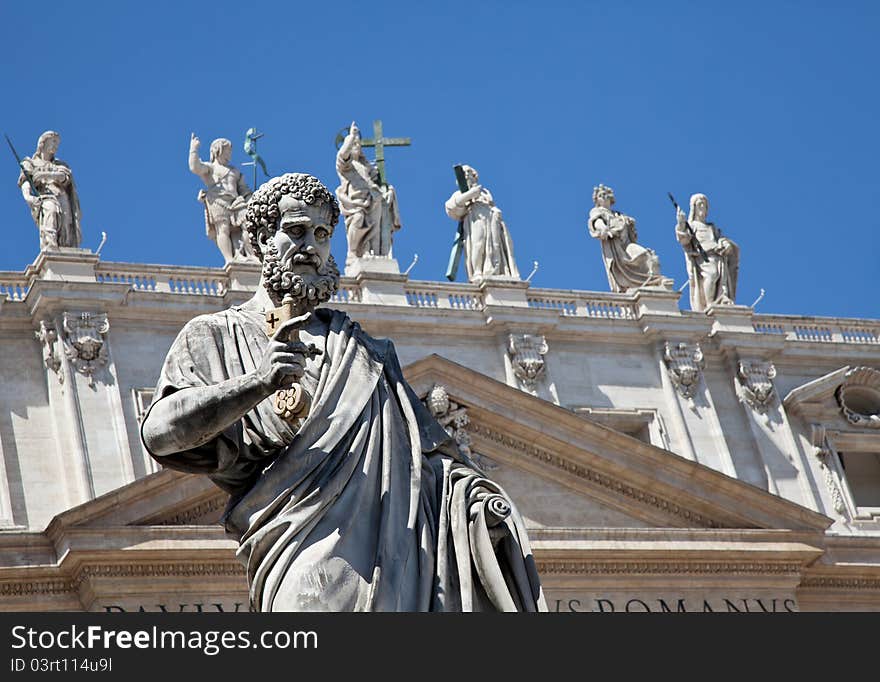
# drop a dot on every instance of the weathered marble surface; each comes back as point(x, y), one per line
point(628, 264)
point(372, 215)
point(225, 198)
point(488, 248)
point(52, 197)
point(366, 504)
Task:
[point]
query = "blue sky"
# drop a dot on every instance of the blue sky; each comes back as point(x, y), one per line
point(771, 109)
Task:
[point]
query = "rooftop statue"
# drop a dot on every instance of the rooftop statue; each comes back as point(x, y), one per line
point(346, 493)
point(47, 186)
point(712, 260)
point(629, 265)
point(368, 203)
point(488, 249)
point(225, 198)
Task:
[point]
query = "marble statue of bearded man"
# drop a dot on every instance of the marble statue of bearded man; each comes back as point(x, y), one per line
point(712, 277)
point(362, 504)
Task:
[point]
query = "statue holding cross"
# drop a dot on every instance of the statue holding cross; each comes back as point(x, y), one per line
point(366, 199)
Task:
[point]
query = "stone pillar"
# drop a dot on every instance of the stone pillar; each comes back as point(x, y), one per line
point(683, 364)
point(7, 520)
point(748, 354)
point(771, 430)
point(92, 391)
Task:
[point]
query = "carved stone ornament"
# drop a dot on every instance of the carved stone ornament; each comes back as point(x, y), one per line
point(47, 336)
point(527, 353)
point(755, 379)
point(454, 418)
point(823, 454)
point(859, 397)
point(84, 342)
point(685, 363)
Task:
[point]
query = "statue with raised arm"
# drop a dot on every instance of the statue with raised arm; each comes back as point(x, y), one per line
point(225, 198)
point(47, 186)
point(488, 248)
point(713, 267)
point(370, 208)
point(359, 500)
point(628, 264)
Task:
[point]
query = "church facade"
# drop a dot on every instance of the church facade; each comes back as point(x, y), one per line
point(664, 460)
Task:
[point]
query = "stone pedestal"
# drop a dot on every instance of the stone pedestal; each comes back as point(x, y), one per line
point(64, 263)
point(731, 318)
point(383, 265)
point(243, 275)
point(657, 301)
point(504, 291)
point(732, 329)
point(382, 288)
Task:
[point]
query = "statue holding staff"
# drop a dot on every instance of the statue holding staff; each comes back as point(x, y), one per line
point(488, 248)
point(47, 186)
point(712, 259)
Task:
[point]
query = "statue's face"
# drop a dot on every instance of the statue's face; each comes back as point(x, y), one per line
point(224, 156)
point(701, 209)
point(603, 200)
point(303, 236)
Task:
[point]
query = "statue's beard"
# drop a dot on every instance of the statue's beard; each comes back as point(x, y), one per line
point(312, 290)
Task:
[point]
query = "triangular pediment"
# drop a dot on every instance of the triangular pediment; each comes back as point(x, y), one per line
point(560, 469)
point(542, 449)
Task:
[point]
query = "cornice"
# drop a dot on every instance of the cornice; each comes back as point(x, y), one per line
point(668, 568)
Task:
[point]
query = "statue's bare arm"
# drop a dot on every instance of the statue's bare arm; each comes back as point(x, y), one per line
point(193, 416)
point(196, 165)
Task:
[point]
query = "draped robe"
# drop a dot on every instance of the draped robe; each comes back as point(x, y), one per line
point(488, 248)
point(368, 505)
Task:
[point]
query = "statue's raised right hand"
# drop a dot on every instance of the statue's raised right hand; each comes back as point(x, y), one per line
point(194, 142)
point(283, 361)
point(681, 217)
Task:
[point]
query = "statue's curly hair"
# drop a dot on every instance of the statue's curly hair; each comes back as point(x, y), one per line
point(603, 189)
point(261, 215)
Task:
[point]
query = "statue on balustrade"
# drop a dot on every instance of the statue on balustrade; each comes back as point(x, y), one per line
point(345, 492)
point(47, 186)
point(488, 248)
point(370, 207)
point(225, 198)
point(628, 264)
point(712, 259)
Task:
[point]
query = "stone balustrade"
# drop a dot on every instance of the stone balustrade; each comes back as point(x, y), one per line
point(164, 278)
point(206, 281)
point(819, 330)
point(443, 295)
point(584, 304)
point(349, 291)
point(13, 286)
